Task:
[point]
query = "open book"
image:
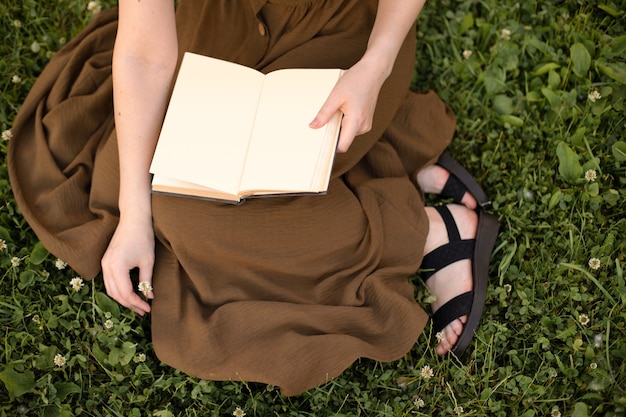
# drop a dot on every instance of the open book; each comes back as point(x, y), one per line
point(231, 132)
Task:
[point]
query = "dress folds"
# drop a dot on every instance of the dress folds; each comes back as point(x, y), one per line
point(287, 291)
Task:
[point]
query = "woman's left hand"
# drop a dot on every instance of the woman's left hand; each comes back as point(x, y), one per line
point(355, 95)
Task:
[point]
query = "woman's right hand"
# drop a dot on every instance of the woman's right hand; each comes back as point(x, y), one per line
point(132, 246)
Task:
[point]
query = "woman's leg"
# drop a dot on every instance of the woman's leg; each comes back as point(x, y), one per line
point(456, 278)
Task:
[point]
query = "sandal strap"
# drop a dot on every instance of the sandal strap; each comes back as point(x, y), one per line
point(448, 220)
point(454, 189)
point(459, 306)
point(455, 250)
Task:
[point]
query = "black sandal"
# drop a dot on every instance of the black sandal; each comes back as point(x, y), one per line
point(472, 303)
point(459, 182)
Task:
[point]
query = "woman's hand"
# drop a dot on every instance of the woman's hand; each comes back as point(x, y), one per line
point(132, 246)
point(355, 95)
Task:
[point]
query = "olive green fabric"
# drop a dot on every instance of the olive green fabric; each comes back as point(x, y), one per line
point(287, 291)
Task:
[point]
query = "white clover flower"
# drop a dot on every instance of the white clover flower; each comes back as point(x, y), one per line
point(16, 79)
point(59, 360)
point(467, 53)
point(583, 319)
point(15, 262)
point(418, 402)
point(458, 410)
point(505, 34)
point(7, 134)
point(439, 336)
point(3, 244)
point(594, 263)
point(144, 287)
point(555, 412)
point(591, 175)
point(76, 283)
point(594, 95)
point(108, 324)
point(239, 412)
point(94, 7)
point(427, 372)
point(593, 365)
point(60, 264)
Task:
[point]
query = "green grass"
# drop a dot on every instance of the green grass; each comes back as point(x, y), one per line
point(553, 338)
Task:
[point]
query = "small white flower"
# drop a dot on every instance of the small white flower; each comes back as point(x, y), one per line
point(507, 287)
point(467, 53)
point(36, 319)
point(439, 336)
point(593, 365)
point(144, 287)
point(458, 410)
point(7, 134)
point(59, 360)
point(60, 264)
point(3, 244)
point(15, 262)
point(418, 402)
point(140, 357)
point(505, 34)
point(594, 263)
point(583, 319)
point(94, 7)
point(17, 23)
point(591, 175)
point(594, 95)
point(555, 412)
point(108, 315)
point(108, 324)
point(427, 372)
point(76, 283)
point(239, 412)
point(16, 79)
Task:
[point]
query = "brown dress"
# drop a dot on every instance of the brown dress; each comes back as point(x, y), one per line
point(287, 291)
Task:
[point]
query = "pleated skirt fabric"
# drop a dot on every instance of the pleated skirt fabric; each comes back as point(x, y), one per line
point(287, 291)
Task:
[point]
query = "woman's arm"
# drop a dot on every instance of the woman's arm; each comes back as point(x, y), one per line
point(356, 93)
point(144, 60)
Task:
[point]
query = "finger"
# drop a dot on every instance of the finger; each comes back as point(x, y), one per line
point(349, 130)
point(120, 288)
point(138, 305)
point(327, 112)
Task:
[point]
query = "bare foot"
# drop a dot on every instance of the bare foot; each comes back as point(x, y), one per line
point(454, 279)
point(432, 179)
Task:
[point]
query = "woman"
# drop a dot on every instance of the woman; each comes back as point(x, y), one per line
point(286, 290)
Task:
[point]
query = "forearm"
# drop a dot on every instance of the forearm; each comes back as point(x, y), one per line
point(140, 99)
point(394, 19)
point(144, 60)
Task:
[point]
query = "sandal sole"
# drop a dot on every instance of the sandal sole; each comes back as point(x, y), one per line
point(486, 236)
